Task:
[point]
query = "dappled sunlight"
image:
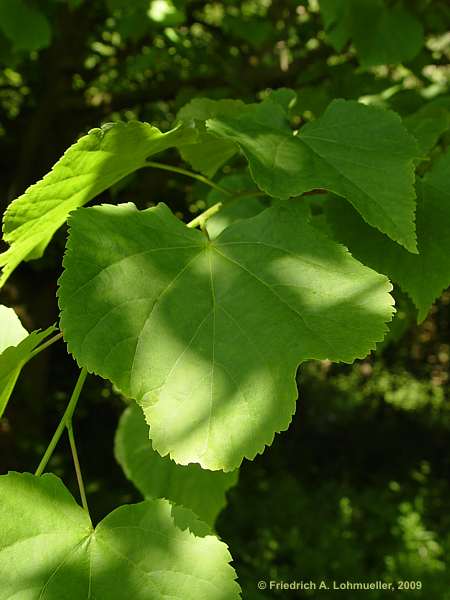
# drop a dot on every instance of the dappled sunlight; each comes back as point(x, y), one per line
point(207, 336)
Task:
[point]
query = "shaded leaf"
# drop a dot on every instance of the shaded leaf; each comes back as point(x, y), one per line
point(191, 486)
point(427, 125)
point(207, 154)
point(207, 335)
point(423, 276)
point(359, 152)
point(25, 25)
point(242, 205)
point(381, 34)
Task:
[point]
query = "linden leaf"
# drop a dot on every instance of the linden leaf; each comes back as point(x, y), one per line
point(208, 153)
point(145, 551)
point(200, 490)
point(381, 34)
point(96, 162)
point(16, 347)
point(207, 335)
point(428, 124)
point(359, 152)
point(423, 276)
point(11, 329)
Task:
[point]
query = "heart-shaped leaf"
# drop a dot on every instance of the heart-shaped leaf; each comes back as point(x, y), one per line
point(207, 335)
point(145, 551)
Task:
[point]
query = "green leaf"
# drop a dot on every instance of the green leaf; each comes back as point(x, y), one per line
point(207, 335)
point(96, 162)
point(427, 125)
point(207, 154)
point(11, 329)
point(381, 34)
point(200, 490)
point(145, 551)
point(285, 97)
point(243, 205)
point(13, 359)
point(26, 26)
point(422, 276)
point(16, 346)
point(359, 152)
point(337, 18)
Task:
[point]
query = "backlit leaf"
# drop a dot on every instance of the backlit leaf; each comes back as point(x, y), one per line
point(16, 346)
point(96, 162)
point(11, 329)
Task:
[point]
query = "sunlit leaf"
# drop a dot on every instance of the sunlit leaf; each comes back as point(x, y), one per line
point(207, 335)
point(16, 346)
point(145, 551)
point(92, 165)
point(11, 329)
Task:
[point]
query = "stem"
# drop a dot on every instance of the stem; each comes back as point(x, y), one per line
point(76, 463)
point(67, 416)
point(46, 344)
point(204, 216)
point(191, 174)
point(212, 210)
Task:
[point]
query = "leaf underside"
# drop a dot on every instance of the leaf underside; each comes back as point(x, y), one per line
point(93, 164)
point(16, 346)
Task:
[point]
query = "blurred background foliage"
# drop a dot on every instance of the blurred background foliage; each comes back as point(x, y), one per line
point(358, 487)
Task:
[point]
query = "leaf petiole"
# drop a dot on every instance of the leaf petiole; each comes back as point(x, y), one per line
point(76, 464)
point(205, 215)
point(180, 171)
point(45, 345)
point(66, 418)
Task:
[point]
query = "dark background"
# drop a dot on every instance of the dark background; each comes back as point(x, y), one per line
point(358, 487)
